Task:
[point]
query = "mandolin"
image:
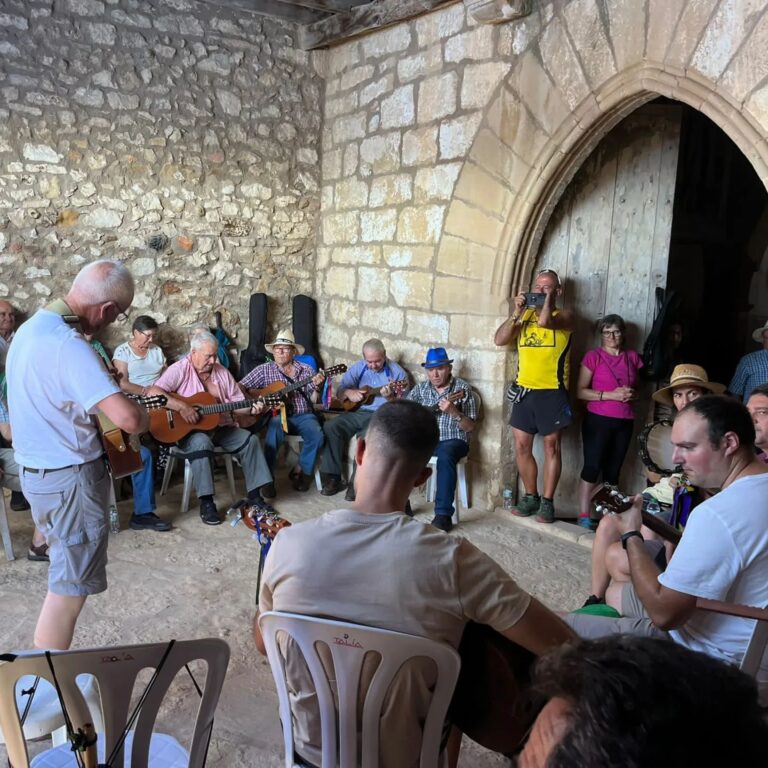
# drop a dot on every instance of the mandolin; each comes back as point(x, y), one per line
point(371, 393)
point(167, 426)
point(453, 397)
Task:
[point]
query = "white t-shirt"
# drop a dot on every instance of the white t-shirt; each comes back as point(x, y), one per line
point(55, 380)
point(723, 555)
point(142, 371)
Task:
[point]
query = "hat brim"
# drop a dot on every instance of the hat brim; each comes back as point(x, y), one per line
point(757, 334)
point(436, 364)
point(664, 396)
point(299, 349)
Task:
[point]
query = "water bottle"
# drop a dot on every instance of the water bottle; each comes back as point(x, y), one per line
point(508, 497)
point(652, 507)
point(114, 519)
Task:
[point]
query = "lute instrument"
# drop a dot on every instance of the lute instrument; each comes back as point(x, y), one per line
point(371, 393)
point(169, 427)
point(609, 500)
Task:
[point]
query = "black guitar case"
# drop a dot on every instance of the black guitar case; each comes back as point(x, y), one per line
point(305, 326)
point(255, 354)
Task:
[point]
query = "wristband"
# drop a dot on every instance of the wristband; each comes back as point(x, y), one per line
point(625, 537)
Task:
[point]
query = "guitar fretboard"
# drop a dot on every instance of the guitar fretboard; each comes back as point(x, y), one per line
point(204, 410)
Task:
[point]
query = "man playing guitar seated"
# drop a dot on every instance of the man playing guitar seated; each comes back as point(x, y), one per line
point(300, 418)
point(451, 400)
point(198, 372)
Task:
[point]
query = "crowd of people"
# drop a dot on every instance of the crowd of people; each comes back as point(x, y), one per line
point(409, 577)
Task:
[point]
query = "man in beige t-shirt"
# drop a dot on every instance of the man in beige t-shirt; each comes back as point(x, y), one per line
point(371, 564)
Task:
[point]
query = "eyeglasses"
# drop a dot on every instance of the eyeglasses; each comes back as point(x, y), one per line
point(148, 336)
point(549, 272)
point(612, 333)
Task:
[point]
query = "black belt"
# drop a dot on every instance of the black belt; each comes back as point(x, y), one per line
point(56, 469)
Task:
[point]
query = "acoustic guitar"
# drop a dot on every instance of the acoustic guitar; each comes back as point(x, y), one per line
point(453, 397)
point(123, 450)
point(609, 500)
point(371, 393)
point(282, 390)
point(168, 427)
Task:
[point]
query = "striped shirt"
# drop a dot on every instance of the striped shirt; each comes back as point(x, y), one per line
point(751, 372)
point(428, 396)
point(270, 373)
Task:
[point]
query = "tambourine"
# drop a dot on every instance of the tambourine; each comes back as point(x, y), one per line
point(656, 449)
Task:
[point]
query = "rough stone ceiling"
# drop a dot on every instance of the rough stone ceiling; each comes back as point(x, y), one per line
point(324, 22)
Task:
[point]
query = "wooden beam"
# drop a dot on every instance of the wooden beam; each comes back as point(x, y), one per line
point(283, 9)
point(364, 18)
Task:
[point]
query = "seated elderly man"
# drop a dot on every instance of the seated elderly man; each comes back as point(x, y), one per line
point(757, 405)
point(371, 564)
point(300, 418)
point(451, 400)
point(723, 553)
point(200, 371)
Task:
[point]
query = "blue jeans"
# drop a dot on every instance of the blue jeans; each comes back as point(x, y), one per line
point(307, 427)
point(448, 453)
point(144, 485)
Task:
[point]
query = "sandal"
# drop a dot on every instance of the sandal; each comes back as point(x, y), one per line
point(38, 554)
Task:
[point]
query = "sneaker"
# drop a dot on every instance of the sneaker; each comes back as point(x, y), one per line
point(527, 506)
point(442, 522)
point(593, 600)
point(209, 513)
point(148, 522)
point(332, 485)
point(350, 494)
point(268, 491)
point(546, 511)
point(19, 503)
point(585, 521)
point(38, 553)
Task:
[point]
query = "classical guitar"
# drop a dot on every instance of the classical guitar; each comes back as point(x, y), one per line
point(371, 393)
point(282, 390)
point(452, 397)
point(123, 450)
point(168, 427)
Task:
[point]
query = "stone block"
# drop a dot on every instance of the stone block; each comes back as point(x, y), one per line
point(120, 101)
point(375, 89)
point(381, 153)
point(563, 65)
point(340, 228)
point(688, 32)
point(411, 289)
point(378, 225)
point(480, 81)
point(421, 65)
point(420, 146)
point(625, 22)
point(387, 41)
point(473, 224)
point(103, 218)
point(341, 106)
point(373, 285)
point(101, 34)
point(349, 127)
point(351, 157)
point(456, 136)
point(478, 188)
point(342, 57)
point(748, 68)
point(390, 190)
point(456, 256)
point(513, 123)
point(434, 27)
point(419, 256)
point(428, 327)
point(586, 31)
point(420, 224)
point(40, 153)
point(662, 22)
point(331, 164)
point(398, 110)
point(361, 254)
point(388, 320)
point(457, 294)
point(436, 183)
point(474, 45)
point(85, 7)
point(492, 155)
point(229, 102)
point(340, 281)
point(344, 312)
point(351, 193)
point(356, 76)
point(437, 97)
point(473, 331)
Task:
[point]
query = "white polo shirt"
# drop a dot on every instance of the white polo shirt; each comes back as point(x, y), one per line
point(55, 380)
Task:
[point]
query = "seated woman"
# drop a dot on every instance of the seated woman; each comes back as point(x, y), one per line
point(139, 363)
point(609, 560)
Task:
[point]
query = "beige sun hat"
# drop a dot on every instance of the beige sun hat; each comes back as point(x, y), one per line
point(757, 334)
point(687, 375)
point(285, 339)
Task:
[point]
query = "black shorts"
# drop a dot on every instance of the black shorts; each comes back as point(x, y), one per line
point(542, 411)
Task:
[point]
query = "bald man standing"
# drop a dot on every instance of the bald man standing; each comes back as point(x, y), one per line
point(56, 382)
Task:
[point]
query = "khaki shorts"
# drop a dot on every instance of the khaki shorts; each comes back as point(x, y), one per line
point(69, 506)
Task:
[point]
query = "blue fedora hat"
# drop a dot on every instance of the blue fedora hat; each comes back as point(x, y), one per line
point(436, 356)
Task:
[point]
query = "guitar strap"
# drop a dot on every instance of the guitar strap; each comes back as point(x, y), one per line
point(60, 307)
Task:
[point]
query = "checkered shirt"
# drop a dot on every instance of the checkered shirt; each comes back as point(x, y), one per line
point(427, 395)
point(4, 417)
point(269, 373)
point(751, 372)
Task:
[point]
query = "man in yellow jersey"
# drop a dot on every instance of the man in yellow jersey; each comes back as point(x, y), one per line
point(543, 335)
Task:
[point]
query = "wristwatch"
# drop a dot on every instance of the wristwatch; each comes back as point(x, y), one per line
point(628, 535)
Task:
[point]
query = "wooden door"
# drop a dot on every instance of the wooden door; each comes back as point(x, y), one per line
point(608, 239)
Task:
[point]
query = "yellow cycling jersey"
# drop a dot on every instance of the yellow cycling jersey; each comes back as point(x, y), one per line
point(543, 354)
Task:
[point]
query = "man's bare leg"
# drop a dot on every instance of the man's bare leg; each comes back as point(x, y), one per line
point(607, 533)
point(56, 623)
point(526, 464)
point(552, 464)
point(37, 538)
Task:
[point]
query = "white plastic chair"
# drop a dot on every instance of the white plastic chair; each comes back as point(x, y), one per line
point(340, 728)
point(175, 454)
point(5, 531)
point(462, 487)
point(115, 669)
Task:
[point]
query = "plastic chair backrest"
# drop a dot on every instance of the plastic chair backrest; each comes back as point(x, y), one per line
point(349, 644)
point(116, 668)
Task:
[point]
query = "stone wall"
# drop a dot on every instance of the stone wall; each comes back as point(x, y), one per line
point(179, 137)
point(447, 144)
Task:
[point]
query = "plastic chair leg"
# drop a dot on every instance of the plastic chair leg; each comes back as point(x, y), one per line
point(167, 474)
point(187, 486)
point(5, 529)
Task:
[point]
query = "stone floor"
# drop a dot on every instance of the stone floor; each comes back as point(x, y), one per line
point(197, 581)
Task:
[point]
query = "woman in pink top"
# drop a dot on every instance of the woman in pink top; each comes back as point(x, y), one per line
point(607, 381)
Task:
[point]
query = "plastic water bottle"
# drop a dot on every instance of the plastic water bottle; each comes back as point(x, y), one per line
point(114, 519)
point(507, 497)
point(652, 507)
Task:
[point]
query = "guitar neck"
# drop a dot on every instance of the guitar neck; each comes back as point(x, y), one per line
point(658, 526)
point(204, 410)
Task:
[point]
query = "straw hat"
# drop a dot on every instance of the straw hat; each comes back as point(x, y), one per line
point(757, 334)
point(285, 339)
point(687, 375)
